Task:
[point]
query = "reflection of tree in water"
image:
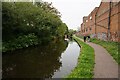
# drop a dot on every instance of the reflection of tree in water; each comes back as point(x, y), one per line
point(34, 62)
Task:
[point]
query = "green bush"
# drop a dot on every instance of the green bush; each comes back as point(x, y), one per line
point(20, 42)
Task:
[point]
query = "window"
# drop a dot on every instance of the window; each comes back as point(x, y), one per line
point(86, 30)
point(83, 24)
point(90, 29)
point(90, 17)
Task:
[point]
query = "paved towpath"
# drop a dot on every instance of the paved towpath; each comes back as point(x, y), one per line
point(105, 65)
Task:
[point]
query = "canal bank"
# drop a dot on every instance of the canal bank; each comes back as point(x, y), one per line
point(86, 61)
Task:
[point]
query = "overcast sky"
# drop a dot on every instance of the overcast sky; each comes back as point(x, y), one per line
point(73, 10)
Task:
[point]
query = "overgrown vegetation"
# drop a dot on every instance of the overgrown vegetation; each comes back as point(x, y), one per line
point(71, 32)
point(20, 42)
point(111, 47)
point(86, 61)
point(25, 24)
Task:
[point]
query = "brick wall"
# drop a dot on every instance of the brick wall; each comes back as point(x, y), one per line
point(98, 25)
point(119, 22)
point(102, 20)
point(114, 22)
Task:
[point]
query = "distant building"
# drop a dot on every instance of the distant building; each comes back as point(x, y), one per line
point(88, 25)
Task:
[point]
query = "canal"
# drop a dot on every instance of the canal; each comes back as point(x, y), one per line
point(55, 60)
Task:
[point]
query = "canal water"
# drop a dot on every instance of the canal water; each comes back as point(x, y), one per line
point(55, 60)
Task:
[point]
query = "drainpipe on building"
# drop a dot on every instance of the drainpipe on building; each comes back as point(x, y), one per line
point(95, 24)
point(109, 17)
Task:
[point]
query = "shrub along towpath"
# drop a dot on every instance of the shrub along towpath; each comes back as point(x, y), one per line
point(85, 66)
point(105, 65)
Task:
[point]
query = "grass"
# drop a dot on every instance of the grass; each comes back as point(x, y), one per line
point(111, 47)
point(86, 60)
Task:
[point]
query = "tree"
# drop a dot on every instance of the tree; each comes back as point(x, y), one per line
point(24, 18)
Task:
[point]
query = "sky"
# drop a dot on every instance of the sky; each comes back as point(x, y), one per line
point(73, 11)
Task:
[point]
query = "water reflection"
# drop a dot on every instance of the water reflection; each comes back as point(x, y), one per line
point(69, 60)
point(34, 62)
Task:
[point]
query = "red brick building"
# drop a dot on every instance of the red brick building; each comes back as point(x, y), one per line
point(83, 25)
point(102, 22)
point(88, 25)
